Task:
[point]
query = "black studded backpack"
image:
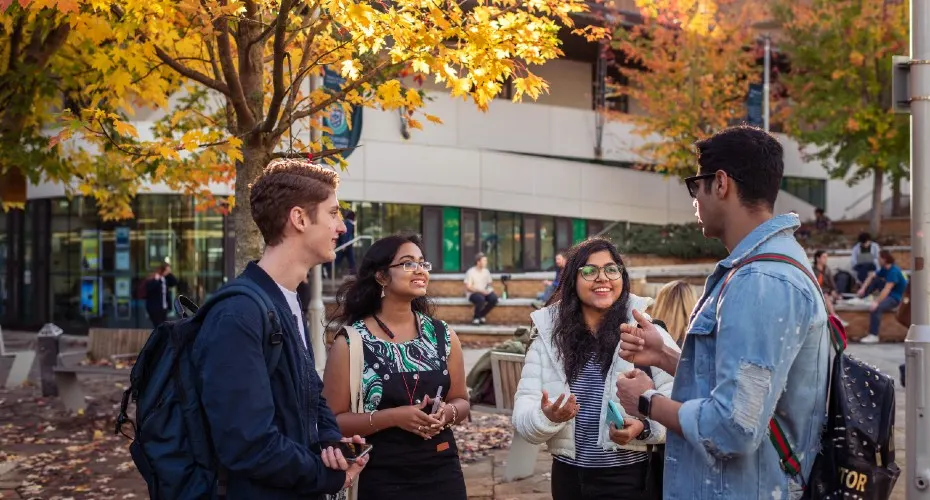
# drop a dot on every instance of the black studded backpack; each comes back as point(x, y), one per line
point(856, 460)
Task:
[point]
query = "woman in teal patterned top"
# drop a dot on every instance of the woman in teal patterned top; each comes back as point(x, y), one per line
point(408, 356)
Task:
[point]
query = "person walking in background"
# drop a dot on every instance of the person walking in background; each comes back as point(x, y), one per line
point(479, 289)
point(864, 258)
point(564, 393)
point(890, 284)
point(347, 253)
point(407, 357)
point(158, 294)
point(673, 307)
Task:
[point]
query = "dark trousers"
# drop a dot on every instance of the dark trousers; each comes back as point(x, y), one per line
point(157, 316)
point(600, 483)
point(483, 303)
point(889, 304)
point(862, 270)
point(349, 255)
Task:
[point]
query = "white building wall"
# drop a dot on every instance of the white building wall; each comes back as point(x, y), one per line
point(480, 159)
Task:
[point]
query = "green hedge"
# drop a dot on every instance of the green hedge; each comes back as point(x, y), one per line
point(685, 241)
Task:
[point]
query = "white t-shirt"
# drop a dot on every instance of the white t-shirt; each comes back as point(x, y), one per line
point(477, 279)
point(295, 309)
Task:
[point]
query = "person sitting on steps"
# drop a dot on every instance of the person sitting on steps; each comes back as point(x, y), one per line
point(478, 286)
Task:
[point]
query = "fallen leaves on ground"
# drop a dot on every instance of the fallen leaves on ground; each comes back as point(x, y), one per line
point(62, 455)
point(484, 434)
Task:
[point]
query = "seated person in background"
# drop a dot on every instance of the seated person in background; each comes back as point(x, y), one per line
point(890, 282)
point(478, 287)
point(825, 280)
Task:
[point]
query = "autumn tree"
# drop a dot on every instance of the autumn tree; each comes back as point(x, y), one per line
point(244, 67)
point(687, 65)
point(840, 87)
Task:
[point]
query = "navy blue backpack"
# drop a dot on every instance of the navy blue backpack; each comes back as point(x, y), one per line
point(171, 443)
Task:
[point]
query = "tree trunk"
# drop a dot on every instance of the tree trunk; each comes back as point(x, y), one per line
point(249, 243)
point(896, 198)
point(875, 224)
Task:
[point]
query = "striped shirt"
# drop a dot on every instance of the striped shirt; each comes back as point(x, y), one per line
point(589, 391)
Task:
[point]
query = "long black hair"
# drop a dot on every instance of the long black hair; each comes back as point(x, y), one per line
point(571, 336)
point(360, 297)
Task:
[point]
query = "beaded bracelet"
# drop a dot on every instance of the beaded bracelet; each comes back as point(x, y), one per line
point(455, 416)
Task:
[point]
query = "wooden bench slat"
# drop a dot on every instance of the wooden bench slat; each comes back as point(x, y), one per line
point(92, 370)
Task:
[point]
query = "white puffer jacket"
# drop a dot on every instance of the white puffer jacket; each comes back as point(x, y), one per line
point(543, 369)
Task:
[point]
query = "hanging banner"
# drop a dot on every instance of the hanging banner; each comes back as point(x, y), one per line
point(90, 250)
point(336, 120)
point(123, 292)
point(90, 296)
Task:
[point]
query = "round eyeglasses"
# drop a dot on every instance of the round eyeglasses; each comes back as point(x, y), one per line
point(411, 266)
point(590, 272)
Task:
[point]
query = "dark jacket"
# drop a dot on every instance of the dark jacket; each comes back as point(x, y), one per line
point(154, 300)
point(266, 430)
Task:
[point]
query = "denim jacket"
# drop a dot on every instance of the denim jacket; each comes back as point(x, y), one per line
point(761, 349)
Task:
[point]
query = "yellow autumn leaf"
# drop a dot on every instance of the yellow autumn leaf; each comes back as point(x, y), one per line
point(414, 124)
point(123, 128)
point(433, 119)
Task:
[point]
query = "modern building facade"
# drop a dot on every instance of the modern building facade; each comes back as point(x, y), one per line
point(517, 182)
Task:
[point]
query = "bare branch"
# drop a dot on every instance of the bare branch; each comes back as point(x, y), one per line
point(235, 92)
point(191, 73)
point(16, 38)
point(277, 72)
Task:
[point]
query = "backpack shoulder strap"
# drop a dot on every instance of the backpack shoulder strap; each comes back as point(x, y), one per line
point(272, 332)
point(355, 368)
point(787, 459)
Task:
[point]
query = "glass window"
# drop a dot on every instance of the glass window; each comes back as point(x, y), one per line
point(530, 243)
point(400, 218)
point(509, 242)
point(813, 191)
point(489, 240)
point(546, 242)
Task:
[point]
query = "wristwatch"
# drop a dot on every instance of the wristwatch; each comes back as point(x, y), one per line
point(645, 402)
point(647, 430)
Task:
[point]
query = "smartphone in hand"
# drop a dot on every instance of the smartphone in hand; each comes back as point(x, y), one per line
point(614, 415)
point(350, 451)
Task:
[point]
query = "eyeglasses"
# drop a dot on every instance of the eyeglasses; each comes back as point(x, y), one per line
point(590, 272)
point(412, 267)
point(691, 182)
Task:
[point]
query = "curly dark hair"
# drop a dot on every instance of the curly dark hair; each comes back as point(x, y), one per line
point(360, 297)
point(572, 338)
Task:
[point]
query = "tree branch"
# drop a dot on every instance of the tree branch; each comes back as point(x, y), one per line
point(235, 92)
point(16, 38)
point(277, 72)
point(286, 121)
point(173, 63)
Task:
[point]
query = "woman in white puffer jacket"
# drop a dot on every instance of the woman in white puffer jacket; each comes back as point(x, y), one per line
point(570, 374)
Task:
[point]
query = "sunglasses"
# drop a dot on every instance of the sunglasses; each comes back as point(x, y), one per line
point(590, 272)
point(692, 182)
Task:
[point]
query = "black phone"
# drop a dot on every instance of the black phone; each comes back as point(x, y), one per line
point(350, 451)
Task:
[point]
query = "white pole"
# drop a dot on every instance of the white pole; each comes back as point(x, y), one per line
point(317, 309)
point(766, 82)
point(917, 345)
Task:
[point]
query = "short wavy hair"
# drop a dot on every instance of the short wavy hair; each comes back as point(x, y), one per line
point(284, 184)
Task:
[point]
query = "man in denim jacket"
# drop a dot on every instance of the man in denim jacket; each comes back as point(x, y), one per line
point(759, 350)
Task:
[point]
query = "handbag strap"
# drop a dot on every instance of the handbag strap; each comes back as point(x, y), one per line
point(787, 459)
point(355, 369)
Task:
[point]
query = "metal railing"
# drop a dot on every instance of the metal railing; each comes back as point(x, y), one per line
point(332, 265)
